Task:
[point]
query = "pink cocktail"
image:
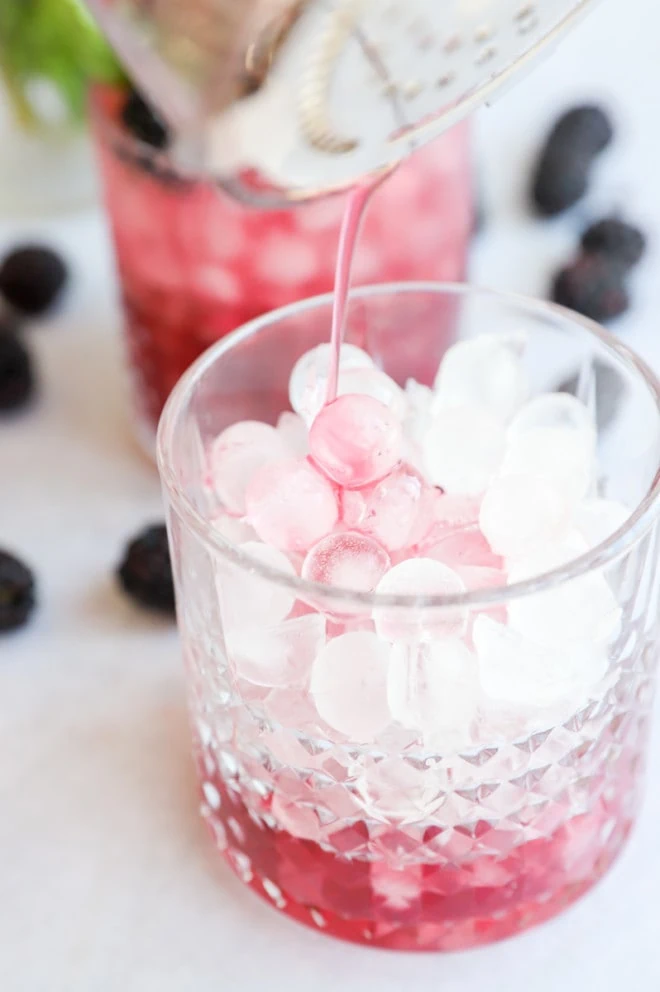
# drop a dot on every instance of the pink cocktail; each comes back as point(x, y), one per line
point(195, 265)
point(420, 717)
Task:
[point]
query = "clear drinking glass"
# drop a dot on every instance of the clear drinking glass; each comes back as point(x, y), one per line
point(483, 811)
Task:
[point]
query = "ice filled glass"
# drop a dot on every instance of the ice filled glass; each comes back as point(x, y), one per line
point(195, 264)
point(419, 623)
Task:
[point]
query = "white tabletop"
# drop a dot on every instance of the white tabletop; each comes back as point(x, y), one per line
point(107, 882)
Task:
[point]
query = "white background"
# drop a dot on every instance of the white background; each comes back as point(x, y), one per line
point(107, 882)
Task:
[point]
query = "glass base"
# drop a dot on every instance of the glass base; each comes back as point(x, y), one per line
point(422, 905)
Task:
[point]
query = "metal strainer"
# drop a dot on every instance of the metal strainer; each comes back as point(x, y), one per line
point(312, 95)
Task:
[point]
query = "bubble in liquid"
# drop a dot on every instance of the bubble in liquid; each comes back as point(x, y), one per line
point(355, 440)
point(423, 578)
point(347, 560)
point(434, 689)
point(280, 656)
point(294, 434)
point(291, 505)
point(486, 372)
point(463, 449)
point(235, 457)
point(248, 599)
point(520, 513)
point(349, 685)
point(308, 384)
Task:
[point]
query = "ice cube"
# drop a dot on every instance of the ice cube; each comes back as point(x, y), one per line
point(517, 671)
point(355, 440)
point(553, 436)
point(248, 599)
point(486, 372)
point(349, 685)
point(293, 432)
point(464, 547)
point(308, 384)
point(348, 560)
point(422, 578)
point(235, 457)
point(390, 510)
point(547, 558)
point(462, 449)
point(598, 519)
point(233, 529)
point(391, 788)
point(521, 513)
point(280, 656)
point(291, 505)
point(583, 608)
point(434, 689)
point(375, 383)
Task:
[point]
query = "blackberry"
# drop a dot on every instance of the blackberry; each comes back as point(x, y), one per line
point(16, 374)
point(143, 123)
point(620, 241)
point(17, 592)
point(586, 129)
point(592, 285)
point(560, 181)
point(561, 176)
point(145, 572)
point(32, 278)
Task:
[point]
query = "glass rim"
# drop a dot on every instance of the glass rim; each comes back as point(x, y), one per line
point(605, 553)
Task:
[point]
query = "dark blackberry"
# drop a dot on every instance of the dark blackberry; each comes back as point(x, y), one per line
point(143, 122)
point(592, 285)
point(16, 374)
point(586, 129)
point(620, 241)
point(32, 278)
point(560, 181)
point(561, 176)
point(146, 570)
point(17, 592)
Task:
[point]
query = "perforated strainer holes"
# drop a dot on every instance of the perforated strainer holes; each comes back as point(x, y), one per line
point(526, 18)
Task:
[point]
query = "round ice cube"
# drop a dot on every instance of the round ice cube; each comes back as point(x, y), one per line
point(247, 598)
point(309, 379)
point(233, 529)
point(349, 685)
point(520, 513)
point(553, 436)
point(291, 505)
point(346, 561)
point(463, 449)
point(356, 440)
point(375, 383)
point(236, 455)
point(389, 511)
point(515, 670)
point(278, 656)
point(434, 689)
point(464, 547)
point(420, 577)
point(583, 608)
point(487, 372)
point(293, 432)
point(598, 519)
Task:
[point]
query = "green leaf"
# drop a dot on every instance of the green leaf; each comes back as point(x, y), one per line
point(55, 40)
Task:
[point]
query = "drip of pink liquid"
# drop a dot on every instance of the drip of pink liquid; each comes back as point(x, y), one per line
point(356, 207)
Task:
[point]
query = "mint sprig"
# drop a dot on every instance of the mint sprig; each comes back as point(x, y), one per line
point(53, 40)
